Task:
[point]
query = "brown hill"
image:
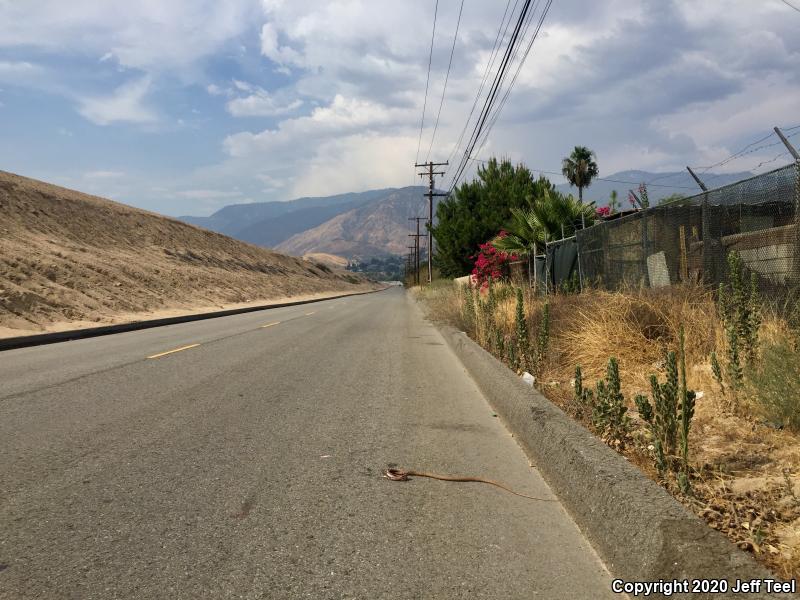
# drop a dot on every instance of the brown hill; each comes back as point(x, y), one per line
point(339, 262)
point(70, 259)
point(377, 229)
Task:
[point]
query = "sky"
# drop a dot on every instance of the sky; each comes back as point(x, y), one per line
point(186, 106)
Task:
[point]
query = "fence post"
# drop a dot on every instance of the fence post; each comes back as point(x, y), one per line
point(796, 265)
point(796, 156)
point(546, 269)
point(645, 274)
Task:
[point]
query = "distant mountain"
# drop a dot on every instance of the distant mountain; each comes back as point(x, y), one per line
point(376, 229)
point(665, 184)
point(234, 219)
point(375, 223)
point(272, 231)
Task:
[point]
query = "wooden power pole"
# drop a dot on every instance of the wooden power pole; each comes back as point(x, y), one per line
point(416, 237)
point(412, 257)
point(430, 173)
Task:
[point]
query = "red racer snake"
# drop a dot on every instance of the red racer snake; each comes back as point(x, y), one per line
point(403, 475)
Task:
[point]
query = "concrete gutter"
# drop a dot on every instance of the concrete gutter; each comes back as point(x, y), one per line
point(641, 532)
point(39, 339)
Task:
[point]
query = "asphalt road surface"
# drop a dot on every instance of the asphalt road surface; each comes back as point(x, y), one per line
point(248, 463)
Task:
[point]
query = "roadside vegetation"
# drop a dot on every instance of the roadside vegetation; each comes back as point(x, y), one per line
point(616, 362)
point(698, 387)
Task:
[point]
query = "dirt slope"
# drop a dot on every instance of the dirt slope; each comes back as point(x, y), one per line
point(67, 257)
point(327, 259)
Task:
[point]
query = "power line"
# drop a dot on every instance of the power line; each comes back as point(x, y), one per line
point(516, 74)
point(492, 94)
point(741, 154)
point(495, 112)
point(427, 80)
point(446, 77)
point(489, 64)
point(482, 135)
point(786, 2)
point(746, 150)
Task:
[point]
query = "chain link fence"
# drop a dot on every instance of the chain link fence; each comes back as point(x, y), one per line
point(688, 240)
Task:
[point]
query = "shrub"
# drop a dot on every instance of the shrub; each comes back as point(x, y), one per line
point(669, 418)
point(716, 370)
point(740, 310)
point(521, 328)
point(609, 410)
point(583, 397)
point(686, 411)
point(776, 385)
point(542, 336)
point(490, 263)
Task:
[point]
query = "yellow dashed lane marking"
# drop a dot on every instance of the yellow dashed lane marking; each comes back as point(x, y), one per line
point(271, 324)
point(173, 351)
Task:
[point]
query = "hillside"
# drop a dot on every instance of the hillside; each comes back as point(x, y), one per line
point(68, 258)
point(270, 223)
point(338, 262)
point(376, 229)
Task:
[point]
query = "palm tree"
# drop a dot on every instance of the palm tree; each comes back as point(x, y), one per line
point(580, 168)
point(551, 215)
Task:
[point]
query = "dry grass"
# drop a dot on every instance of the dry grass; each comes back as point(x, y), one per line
point(746, 473)
point(68, 258)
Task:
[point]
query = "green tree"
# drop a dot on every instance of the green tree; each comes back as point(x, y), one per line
point(580, 168)
point(477, 211)
point(550, 213)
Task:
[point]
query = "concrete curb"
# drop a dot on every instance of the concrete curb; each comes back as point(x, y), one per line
point(639, 530)
point(25, 341)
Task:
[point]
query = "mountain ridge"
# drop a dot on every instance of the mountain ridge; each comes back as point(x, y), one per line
point(375, 222)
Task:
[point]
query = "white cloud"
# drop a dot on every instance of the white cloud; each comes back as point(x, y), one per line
point(124, 105)
point(342, 116)
point(260, 104)
point(645, 83)
point(149, 35)
point(283, 55)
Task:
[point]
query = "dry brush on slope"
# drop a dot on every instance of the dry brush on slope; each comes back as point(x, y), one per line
point(68, 257)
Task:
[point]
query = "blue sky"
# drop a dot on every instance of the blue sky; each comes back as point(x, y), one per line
point(186, 106)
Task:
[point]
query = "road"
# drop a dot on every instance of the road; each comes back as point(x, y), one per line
point(248, 465)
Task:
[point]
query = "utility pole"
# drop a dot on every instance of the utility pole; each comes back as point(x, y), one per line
point(431, 173)
point(412, 257)
point(416, 238)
